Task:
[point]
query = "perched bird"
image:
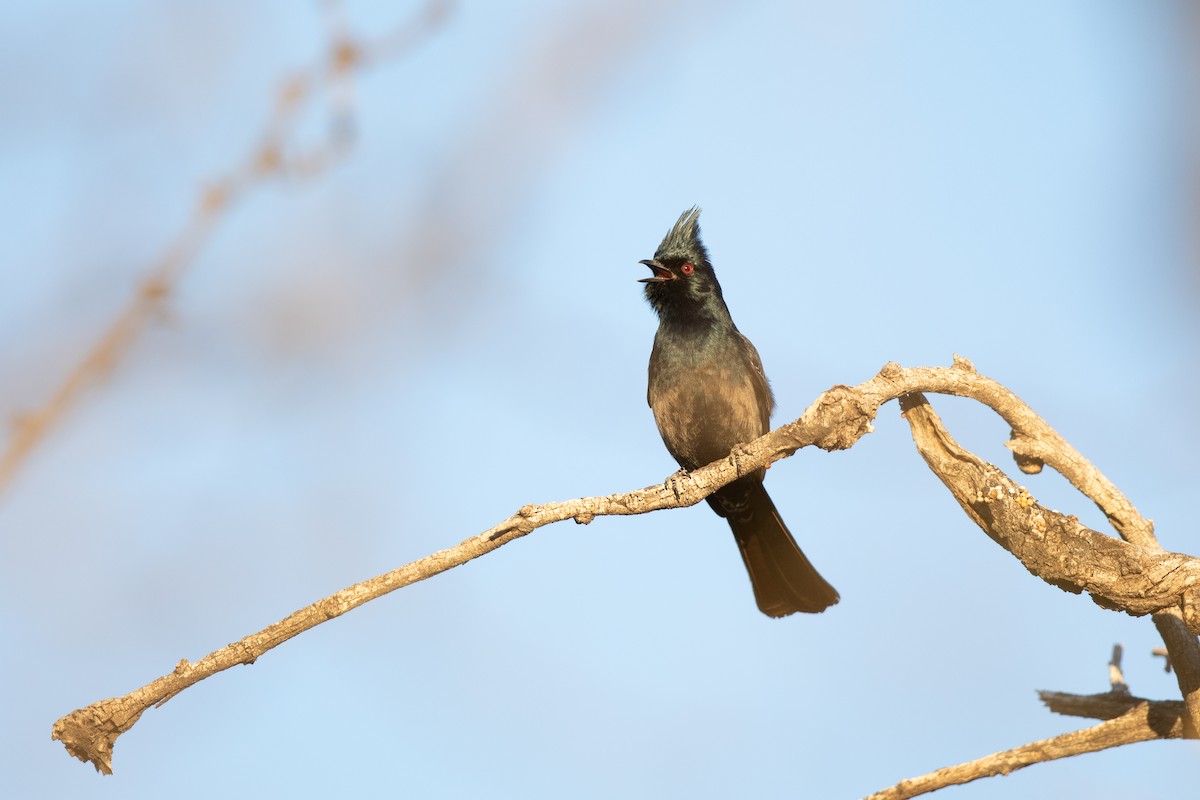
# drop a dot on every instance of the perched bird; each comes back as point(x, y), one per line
point(709, 394)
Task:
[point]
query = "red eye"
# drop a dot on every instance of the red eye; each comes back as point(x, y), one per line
point(687, 269)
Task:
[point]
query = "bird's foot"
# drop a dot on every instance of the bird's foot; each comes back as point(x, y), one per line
point(735, 457)
point(737, 454)
point(671, 484)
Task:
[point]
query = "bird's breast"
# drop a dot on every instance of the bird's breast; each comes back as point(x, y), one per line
point(705, 402)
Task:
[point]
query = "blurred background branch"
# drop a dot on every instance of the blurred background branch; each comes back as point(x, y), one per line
point(275, 153)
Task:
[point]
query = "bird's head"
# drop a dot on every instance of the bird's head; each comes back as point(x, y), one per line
point(683, 278)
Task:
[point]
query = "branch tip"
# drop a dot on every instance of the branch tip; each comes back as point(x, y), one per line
point(1116, 678)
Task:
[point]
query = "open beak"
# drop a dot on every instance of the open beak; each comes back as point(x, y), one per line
point(661, 273)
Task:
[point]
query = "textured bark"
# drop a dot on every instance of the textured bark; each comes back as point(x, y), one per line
point(1132, 574)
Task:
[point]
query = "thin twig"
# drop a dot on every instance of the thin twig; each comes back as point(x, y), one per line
point(1116, 678)
point(1131, 719)
point(1111, 705)
point(1143, 722)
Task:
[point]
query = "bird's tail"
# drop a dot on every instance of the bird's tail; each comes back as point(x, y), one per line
point(783, 578)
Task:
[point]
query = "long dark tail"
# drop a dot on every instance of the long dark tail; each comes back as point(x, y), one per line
point(783, 578)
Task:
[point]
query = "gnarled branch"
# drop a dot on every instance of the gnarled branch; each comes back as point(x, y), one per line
point(1135, 576)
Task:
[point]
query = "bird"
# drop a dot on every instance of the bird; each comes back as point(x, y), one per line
point(709, 395)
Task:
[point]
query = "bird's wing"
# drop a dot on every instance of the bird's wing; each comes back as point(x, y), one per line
point(762, 387)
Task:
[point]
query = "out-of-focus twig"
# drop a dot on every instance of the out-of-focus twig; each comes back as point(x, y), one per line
point(274, 153)
point(1116, 678)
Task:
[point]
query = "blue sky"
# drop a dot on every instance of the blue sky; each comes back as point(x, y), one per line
point(374, 364)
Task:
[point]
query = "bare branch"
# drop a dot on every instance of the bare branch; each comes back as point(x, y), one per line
point(1167, 715)
point(1117, 574)
point(1132, 719)
point(1055, 547)
point(1034, 443)
point(1184, 653)
point(1060, 550)
point(1142, 722)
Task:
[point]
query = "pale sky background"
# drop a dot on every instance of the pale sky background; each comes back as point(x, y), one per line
point(377, 363)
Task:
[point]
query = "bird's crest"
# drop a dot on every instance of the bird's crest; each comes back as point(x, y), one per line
point(684, 238)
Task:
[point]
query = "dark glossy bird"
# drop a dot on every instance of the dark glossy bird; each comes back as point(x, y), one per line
point(709, 394)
